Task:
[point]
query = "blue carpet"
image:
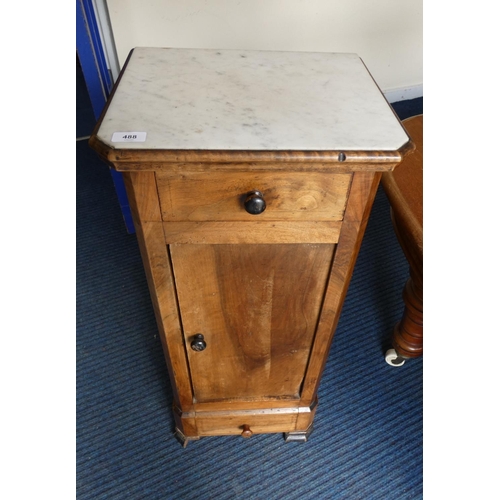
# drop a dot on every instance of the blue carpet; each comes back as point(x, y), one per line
point(367, 442)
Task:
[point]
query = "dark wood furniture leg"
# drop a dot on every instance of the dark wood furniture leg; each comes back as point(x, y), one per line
point(404, 189)
point(408, 334)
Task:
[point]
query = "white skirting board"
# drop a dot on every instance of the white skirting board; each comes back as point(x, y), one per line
point(403, 94)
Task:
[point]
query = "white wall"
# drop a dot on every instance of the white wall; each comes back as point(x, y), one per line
point(387, 34)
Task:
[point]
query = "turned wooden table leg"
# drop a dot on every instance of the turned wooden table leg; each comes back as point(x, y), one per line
point(407, 337)
point(404, 189)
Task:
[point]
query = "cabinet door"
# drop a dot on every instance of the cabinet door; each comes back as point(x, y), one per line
point(257, 307)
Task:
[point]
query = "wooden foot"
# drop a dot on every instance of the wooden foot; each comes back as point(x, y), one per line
point(184, 440)
point(407, 338)
point(298, 436)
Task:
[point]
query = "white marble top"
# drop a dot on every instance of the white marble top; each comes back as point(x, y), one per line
point(248, 100)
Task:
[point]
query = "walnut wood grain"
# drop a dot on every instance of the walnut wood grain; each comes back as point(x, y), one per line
point(261, 405)
point(242, 166)
point(363, 191)
point(265, 290)
point(185, 421)
point(218, 233)
point(257, 306)
point(152, 159)
point(230, 417)
point(232, 424)
point(288, 196)
point(404, 189)
point(141, 192)
point(408, 334)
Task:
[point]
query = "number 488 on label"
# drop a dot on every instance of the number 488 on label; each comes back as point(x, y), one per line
point(129, 137)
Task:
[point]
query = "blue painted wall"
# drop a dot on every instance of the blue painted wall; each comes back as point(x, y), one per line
point(98, 82)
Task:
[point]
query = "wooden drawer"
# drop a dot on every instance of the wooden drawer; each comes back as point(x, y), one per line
point(297, 196)
point(231, 423)
point(278, 418)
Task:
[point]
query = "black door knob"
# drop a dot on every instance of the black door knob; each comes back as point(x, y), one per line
point(255, 203)
point(198, 343)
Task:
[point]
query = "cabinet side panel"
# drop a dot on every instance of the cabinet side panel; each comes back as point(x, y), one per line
point(141, 191)
point(257, 307)
point(363, 191)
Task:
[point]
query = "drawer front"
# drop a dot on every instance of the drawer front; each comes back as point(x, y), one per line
point(220, 425)
point(301, 196)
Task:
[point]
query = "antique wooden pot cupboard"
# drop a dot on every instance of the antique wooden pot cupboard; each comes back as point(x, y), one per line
point(251, 176)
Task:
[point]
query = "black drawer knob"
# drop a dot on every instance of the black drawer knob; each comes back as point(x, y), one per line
point(198, 343)
point(255, 203)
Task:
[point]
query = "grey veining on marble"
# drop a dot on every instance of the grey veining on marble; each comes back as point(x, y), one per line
point(203, 99)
